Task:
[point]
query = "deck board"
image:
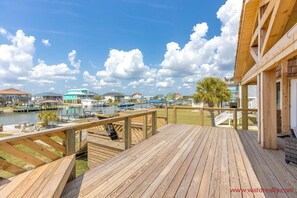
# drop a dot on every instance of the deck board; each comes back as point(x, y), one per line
point(188, 161)
point(270, 166)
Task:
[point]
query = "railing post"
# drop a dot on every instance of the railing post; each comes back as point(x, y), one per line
point(80, 139)
point(174, 115)
point(144, 127)
point(127, 133)
point(202, 116)
point(166, 114)
point(70, 149)
point(154, 122)
point(235, 119)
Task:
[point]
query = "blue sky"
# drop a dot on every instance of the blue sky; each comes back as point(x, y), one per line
point(129, 46)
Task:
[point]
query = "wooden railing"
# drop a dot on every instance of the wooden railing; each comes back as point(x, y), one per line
point(23, 152)
point(202, 113)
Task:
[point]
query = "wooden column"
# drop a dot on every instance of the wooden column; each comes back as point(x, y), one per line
point(259, 94)
point(268, 110)
point(70, 149)
point(244, 105)
point(285, 97)
point(127, 133)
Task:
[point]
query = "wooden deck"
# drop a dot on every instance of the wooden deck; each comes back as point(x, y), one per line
point(270, 166)
point(181, 161)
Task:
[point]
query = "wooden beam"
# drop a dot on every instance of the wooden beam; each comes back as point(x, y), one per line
point(267, 13)
point(254, 53)
point(259, 95)
point(285, 108)
point(278, 22)
point(263, 2)
point(284, 49)
point(244, 105)
point(247, 26)
point(268, 110)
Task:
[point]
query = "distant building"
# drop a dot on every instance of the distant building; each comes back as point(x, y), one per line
point(137, 96)
point(114, 96)
point(76, 95)
point(235, 91)
point(14, 96)
point(174, 96)
point(47, 96)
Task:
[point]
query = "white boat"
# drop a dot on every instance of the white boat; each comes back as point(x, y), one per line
point(89, 102)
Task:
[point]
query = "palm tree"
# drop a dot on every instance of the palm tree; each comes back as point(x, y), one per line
point(212, 91)
point(48, 116)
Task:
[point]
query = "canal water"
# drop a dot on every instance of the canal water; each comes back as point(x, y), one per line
point(32, 117)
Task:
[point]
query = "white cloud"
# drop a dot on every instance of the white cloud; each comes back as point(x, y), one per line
point(124, 65)
point(46, 42)
point(52, 89)
point(16, 58)
point(71, 58)
point(13, 85)
point(98, 84)
point(16, 62)
point(166, 83)
point(147, 82)
point(200, 57)
point(59, 71)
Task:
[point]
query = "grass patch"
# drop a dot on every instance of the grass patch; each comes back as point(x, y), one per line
point(4, 134)
point(187, 116)
point(81, 166)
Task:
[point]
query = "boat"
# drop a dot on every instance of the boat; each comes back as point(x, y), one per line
point(89, 102)
point(126, 105)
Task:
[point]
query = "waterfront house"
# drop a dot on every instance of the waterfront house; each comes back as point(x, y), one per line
point(114, 96)
point(76, 95)
point(266, 57)
point(47, 96)
point(173, 96)
point(14, 96)
point(137, 96)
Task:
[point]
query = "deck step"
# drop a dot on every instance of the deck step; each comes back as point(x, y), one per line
point(48, 180)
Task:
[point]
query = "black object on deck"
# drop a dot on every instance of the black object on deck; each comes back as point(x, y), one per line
point(111, 132)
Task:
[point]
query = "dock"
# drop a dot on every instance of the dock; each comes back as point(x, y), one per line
point(34, 109)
